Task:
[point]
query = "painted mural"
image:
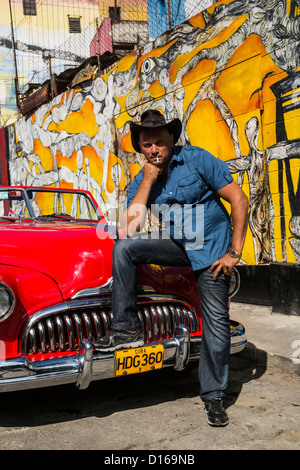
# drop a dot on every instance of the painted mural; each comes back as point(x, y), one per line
point(38, 36)
point(231, 74)
point(47, 34)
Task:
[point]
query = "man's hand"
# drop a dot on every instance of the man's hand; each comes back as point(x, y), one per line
point(233, 194)
point(133, 219)
point(225, 264)
point(151, 173)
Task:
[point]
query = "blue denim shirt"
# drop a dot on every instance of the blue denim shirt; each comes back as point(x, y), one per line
point(190, 206)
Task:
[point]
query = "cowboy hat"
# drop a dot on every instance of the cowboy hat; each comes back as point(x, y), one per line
point(151, 119)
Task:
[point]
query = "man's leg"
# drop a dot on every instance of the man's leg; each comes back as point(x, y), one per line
point(215, 346)
point(128, 253)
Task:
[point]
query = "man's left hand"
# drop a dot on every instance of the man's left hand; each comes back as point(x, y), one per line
point(225, 264)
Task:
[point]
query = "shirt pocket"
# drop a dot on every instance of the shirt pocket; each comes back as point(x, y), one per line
point(189, 189)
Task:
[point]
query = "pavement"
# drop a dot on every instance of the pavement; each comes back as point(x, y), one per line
point(272, 338)
point(161, 413)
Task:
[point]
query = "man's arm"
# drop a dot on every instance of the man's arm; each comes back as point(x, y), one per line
point(233, 194)
point(133, 219)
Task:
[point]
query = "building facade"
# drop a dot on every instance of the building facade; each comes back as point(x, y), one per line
point(43, 38)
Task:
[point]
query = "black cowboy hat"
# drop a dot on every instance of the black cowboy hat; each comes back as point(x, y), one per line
point(153, 119)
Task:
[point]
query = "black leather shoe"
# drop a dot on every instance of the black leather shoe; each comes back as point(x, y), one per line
point(216, 414)
point(122, 339)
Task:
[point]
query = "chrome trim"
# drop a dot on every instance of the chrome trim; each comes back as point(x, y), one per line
point(33, 340)
point(97, 324)
point(148, 325)
point(143, 288)
point(61, 335)
point(168, 323)
point(51, 333)
point(84, 367)
point(182, 335)
point(107, 288)
point(234, 283)
point(66, 325)
point(66, 307)
point(94, 291)
point(42, 335)
point(12, 304)
point(69, 330)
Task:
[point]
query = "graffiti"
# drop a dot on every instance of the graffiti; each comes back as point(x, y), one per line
point(231, 75)
point(55, 140)
point(260, 200)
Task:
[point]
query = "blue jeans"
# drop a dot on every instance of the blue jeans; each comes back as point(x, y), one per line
point(128, 253)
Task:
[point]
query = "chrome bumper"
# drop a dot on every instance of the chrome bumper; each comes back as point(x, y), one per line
point(84, 367)
point(87, 366)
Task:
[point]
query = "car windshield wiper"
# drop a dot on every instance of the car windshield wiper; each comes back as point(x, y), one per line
point(56, 215)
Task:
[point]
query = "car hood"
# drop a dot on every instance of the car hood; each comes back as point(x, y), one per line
point(76, 256)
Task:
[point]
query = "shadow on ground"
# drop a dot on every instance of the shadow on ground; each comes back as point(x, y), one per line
point(65, 403)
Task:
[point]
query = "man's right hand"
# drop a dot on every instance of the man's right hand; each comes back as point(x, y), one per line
point(133, 219)
point(151, 173)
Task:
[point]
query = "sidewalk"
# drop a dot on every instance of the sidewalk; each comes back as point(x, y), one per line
point(272, 338)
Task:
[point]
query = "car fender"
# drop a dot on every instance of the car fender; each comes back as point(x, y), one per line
point(33, 291)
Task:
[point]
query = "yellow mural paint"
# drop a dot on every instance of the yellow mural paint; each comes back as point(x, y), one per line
point(156, 90)
point(68, 162)
point(104, 196)
point(203, 135)
point(134, 169)
point(115, 182)
point(95, 163)
point(44, 154)
point(126, 62)
point(68, 198)
point(123, 117)
point(225, 148)
point(154, 53)
point(126, 144)
point(193, 79)
point(291, 122)
point(224, 35)
point(287, 217)
point(79, 121)
point(236, 85)
point(197, 21)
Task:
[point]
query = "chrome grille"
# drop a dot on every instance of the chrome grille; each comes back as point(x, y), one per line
point(64, 331)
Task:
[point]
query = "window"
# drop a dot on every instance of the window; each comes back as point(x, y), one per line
point(74, 24)
point(29, 7)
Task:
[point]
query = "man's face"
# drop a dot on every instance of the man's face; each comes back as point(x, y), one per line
point(156, 145)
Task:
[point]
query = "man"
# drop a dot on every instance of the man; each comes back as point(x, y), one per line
point(185, 183)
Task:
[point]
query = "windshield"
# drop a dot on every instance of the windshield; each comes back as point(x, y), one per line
point(12, 204)
point(40, 203)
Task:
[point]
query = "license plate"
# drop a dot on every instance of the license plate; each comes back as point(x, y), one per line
point(136, 360)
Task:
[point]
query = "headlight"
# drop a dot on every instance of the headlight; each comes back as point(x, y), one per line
point(7, 301)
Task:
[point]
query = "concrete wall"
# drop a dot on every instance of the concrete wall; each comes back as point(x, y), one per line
point(231, 73)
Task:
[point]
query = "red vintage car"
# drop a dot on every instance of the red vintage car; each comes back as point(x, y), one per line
point(55, 296)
